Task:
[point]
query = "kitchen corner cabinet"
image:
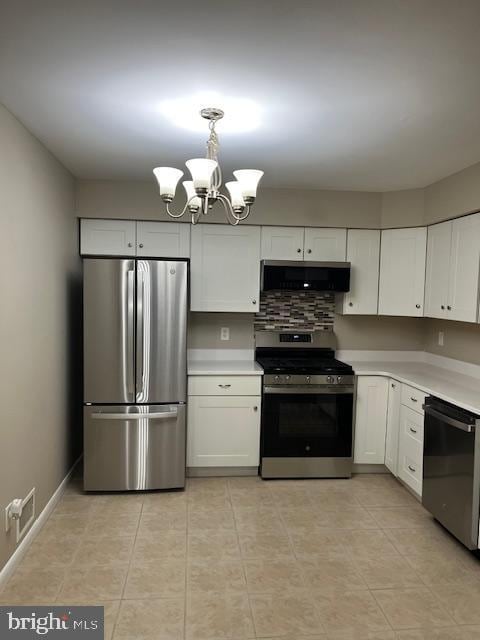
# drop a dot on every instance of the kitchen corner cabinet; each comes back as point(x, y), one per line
point(402, 272)
point(107, 237)
point(363, 252)
point(282, 243)
point(223, 421)
point(371, 420)
point(225, 268)
point(393, 426)
point(129, 238)
point(452, 278)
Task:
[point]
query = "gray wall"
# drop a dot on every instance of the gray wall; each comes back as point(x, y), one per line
point(140, 201)
point(39, 322)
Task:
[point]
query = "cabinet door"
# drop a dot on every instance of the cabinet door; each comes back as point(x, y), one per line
point(163, 239)
point(464, 265)
point(225, 268)
point(402, 272)
point(325, 245)
point(363, 252)
point(107, 237)
point(282, 243)
point(393, 426)
point(223, 432)
point(438, 269)
point(410, 449)
point(371, 420)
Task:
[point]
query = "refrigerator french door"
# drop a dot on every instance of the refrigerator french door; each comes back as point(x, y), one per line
point(135, 321)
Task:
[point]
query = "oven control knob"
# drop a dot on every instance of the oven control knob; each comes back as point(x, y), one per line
point(277, 378)
point(339, 379)
point(330, 379)
point(287, 378)
point(307, 378)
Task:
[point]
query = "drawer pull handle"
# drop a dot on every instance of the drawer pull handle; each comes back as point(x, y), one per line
point(413, 430)
point(255, 408)
point(413, 399)
point(224, 386)
point(417, 306)
point(412, 469)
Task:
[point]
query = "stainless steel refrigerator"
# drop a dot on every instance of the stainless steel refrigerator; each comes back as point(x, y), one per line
point(135, 334)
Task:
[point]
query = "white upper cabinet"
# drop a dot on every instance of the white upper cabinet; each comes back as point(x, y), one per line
point(462, 303)
point(453, 257)
point(402, 272)
point(325, 245)
point(282, 243)
point(438, 269)
point(371, 420)
point(225, 268)
point(363, 252)
point(107, 237)
point(163, 239)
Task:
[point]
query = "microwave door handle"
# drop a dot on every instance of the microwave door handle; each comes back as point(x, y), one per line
point(155, 415)
point(452, 422)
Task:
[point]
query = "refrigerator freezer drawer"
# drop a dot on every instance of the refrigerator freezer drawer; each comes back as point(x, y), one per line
point(134, 447)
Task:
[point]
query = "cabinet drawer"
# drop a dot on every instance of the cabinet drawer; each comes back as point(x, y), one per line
point(412, 427)
point(224, 385)
point(413, 398)
point(411, 471)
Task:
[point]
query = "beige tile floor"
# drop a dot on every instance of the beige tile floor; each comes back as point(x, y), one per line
point(239, 558)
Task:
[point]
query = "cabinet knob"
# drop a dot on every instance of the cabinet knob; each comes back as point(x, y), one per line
point(394, 386)
point(442, 306)
point(418, 306)
point(449, 307)
point(412, 469)
point(140, 245)
point(309, 251)
point(255, 408)
point(254, 302)
point(350, 304)
point(299, 251)
point(129, 244)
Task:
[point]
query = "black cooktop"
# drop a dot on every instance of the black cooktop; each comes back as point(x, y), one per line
point(308, 361)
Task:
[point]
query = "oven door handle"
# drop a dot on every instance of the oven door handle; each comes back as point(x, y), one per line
point(305, 389)
point(469, 428)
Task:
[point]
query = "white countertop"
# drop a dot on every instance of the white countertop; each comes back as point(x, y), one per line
point(459, 389)
point(224, 368)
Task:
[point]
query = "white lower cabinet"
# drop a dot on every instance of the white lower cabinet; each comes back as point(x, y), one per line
point(393, 426)
point(371, 420)
point(223, 430)
point(410, 448)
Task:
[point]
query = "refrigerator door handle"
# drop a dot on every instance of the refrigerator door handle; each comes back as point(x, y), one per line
point(130, 332)
point(140, 334)
point(156, 415)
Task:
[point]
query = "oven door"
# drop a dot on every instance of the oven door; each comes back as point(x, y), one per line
point(307, 422)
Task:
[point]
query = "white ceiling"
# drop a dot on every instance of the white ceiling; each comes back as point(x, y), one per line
point(353, 94)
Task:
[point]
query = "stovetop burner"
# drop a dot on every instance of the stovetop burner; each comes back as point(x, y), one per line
point(308, 364)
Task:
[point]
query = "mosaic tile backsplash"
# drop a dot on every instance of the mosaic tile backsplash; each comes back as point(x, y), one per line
point(305, 310)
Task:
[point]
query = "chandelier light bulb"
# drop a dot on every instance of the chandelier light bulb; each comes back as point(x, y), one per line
point(236, 195)
point(167, 178)
point(201, 170)
point(192, 199)
point(248, 179)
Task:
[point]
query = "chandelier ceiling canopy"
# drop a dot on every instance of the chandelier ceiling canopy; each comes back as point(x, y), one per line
point(203, 190)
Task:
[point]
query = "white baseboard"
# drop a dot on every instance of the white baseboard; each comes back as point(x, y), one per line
point(41, 519)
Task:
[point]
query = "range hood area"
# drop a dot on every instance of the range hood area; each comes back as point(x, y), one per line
point(285, 275)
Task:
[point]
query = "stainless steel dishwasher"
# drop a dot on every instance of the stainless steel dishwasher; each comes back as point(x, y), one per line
point(451, 473)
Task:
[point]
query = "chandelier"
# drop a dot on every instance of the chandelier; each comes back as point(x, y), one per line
point(203, 190)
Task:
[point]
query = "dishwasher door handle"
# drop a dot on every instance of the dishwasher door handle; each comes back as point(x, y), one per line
point(469, 428)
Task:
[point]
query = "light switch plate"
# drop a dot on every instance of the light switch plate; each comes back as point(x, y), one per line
point(225, 333)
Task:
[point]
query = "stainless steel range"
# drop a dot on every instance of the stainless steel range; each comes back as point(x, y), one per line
point(307, 408)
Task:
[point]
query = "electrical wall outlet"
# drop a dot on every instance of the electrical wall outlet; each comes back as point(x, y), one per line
point(225, 333)
point(441, 338)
